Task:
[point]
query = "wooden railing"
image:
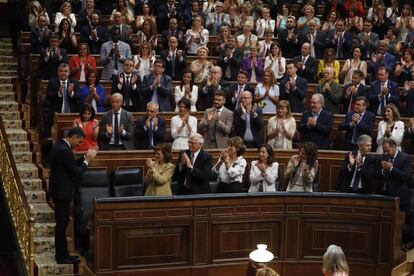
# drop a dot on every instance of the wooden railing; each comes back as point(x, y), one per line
point(19, 209)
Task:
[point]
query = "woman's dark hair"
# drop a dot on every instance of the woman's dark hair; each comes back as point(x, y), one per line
point(311, 152)
point(238, 143)
point(117, 5)
point(87, 107)
point(61, 27)
point(96, 75)
point(187, 71)
point(327, 51)
point(269, 150)
point(287, 6)
point(142, 9)
point(186, 102)
point(165, 150)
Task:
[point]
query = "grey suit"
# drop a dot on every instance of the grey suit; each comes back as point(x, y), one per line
point(108, 60)
point(211, 22)
point(369, 47)
point(126, 120)
point(223, 129)
point(125, 32)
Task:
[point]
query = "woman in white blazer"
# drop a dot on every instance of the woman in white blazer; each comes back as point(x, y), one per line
point(391, 127)
point(264, 171)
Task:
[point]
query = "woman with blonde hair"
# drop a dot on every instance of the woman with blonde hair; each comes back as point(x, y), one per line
point(201, 66)
point(35, 9)
point(65, 12)
point(281, 128)
point(148, 34)
point(196, 36)
point(221, 40)
point(267, 92)
point(334, 262)
point(144, 61)
point(266, 271)
point(390, 127)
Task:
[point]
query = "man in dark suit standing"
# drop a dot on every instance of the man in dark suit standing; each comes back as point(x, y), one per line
point(353, 91)
point(39, 36)
point(150, 129)
point(116, 128)
point(367, 40)
point(194, 168)
point(316, 124)
point(51, 57)
point(381, 59)
point(234, 90)
point(63, 171)
point(356, 123)
point(317, 40)
point(93, 34)
point(124, 29)
point(157, 87)
point(306, 64)
point(172, 31)
point(341, 40)
point(175, 60)
point(230, 59)
point(289, 39)
point(293, 88)
point(358, 168)
point(383, 92)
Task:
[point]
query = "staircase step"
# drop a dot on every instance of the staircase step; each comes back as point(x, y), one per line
point(6, 95)
point(5, 51)
point(42, 212)
point(45, 229)
point(16, 134)
point(28, 170)
point(44, 244)
point(9, 105)
point(6, 88)
point(6, 79)
point(10, 115)
point(19, 145)
point(12, 124)
point(7, 58)
point(47, 265)
point(35, 196)
point(22, 157)
point(31, 184)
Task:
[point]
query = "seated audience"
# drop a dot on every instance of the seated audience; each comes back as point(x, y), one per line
point(407, 95)
point(230, 59)
point(230, 166)
point(341, 40)
point(93, 92)
point(353, 64)
point(383, 92)
point(305, 64)
point(331, 90)
point(381, 59)
point(264, 171)
point(175, 59)
point(144, 61)
point(391, 127)
point(253, 65)
point(186, 89)
point(356, 123)
point(116, 129)
point(157, 87)
point(65, 13)
point(126, 13)
point(328, 62)
point(124, 29)
point(201, 66)
point(149, 130)
point(247, 39)
point(316, 123)
point(51, 57)
point(302, 168)
point(265, 23)
point(216, 19)
point(209, 87)
point(354, 90)
point(90, 126)
point(183, 125)
point(216, 123)
point(82, 63)
point(281, 128)
point(334, 262)
point(275, 61)
point(94, 34)
point(160, 172)
point(293, 88)
point(36, 10)
point(316, 40)
point(358, 168)
point(39, 36)
point(403, 68)
point(196, 36)
point(234, 90)
point(289, 39)
point(248, 121)
point(128, 84)
point(193, 168)
point(267, 93)
point(148, 34)
point(367, 40)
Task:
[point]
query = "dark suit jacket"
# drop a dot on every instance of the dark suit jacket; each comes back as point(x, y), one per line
point(37, 42)
point(295, 97)
point(397, 180)
point(199, 175)
point(125, 33)
point(392, 97)
point(141, 134)
point(164, 91)
point(409, 103)
point(363, 91)
point(318, 134)
point(231, 91)
point(365, 126)
point(49, 68)
point(319, 43)
point(83, 19)
point(64, 169)
point(309, 72)
point(346, 44)
point(408, 43)
point(289, 48)
point(166, 34)
point(126, 119)
point(388, 61)
point(234, 63)
point(367, 171)
point(256, 125)
point(206, 95)
point(163, 15)
point(56, 102)
point(133, 94)
point(94, 45)
point(370, 47)
point(178, 65)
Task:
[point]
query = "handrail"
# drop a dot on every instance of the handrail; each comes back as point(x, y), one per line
point(19, 208)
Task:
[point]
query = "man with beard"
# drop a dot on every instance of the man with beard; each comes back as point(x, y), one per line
point(93, 34)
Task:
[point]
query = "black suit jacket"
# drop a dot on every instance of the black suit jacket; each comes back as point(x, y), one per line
point(56, 102)
point(256, 125)
point(367, 171)
point(49, 68)
point(365, 126)
point(318, 134)
point(177, 33)
point(141, 134)
point(83, 19)
point(64, 169)
point(38, 42)
point(294, 97)
point(234, 63)
point(132, 94)
point(94, 45)
point(199, 175)
point(178, 65)
point(363, 91)
point(319, 43)
point(289, 48)
point(392, 97)
point(231, 91)
point(309, 72)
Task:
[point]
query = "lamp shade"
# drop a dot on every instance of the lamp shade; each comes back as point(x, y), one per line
point(261, 254)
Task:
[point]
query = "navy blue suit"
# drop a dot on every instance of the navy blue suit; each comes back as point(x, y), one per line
point(363, 91)
point(179, 65)
point(294, 97)
point(319, 43)
point(164, 91)
point(388, 61)
point(318, 134)
point(94, 45)
point(256, 125)
point(309, 72)
point(142, 134)
point(393, 95)
point(128, 93)
point(231, 91)
point(364, 126)
point(345, 47)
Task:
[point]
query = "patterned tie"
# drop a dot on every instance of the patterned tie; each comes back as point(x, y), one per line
point(173, 65)
point(382, 101)
point(357, 178)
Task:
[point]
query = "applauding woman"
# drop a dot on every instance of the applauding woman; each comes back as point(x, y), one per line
point(390, 127)
point(183, 125)
point(82, 63)
point(253, 65)
point(281, 128)
point(197, 36)
point(267, 92)
point(201, 66)
point(90, 126)
point(186, 89)
point(302, 168)
point(230, 166)
point(93, 92)
point(275, 61)
point(264, 172)
point(160, 172)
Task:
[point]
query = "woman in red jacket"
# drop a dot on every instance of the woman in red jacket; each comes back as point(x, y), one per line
point(82, 63)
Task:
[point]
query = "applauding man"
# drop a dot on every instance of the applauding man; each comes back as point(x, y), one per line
point(150, 129)
point(128, 83)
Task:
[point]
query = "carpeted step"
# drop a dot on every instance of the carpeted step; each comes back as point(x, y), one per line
point(16, 134)
point(28, 170)
point(31, 184)
point(45, 229)
point(10, 115)
point(22, 157)
point(6, 79)
point(12, 124)
point(44, 244)
point(35, 196)
point(47, 265)
point(9, 105)
point(19, 145)
point(7, 96)
point(42, 212)
point(6, 58)
point(6, 51)
point(9, 66)
point(7, 88)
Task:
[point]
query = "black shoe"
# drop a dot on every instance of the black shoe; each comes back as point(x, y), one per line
point(66, 260)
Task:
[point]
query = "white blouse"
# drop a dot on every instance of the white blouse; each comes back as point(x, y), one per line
point(179, 93)
point(181, 139)
point(146, 66)
point(274, 65)
point(234, 173)
point(59, 16)
point(397, 134)
point(262, 25)
point(195, 40)
point(281, 141)
point(268, 105)
point(260, 182)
